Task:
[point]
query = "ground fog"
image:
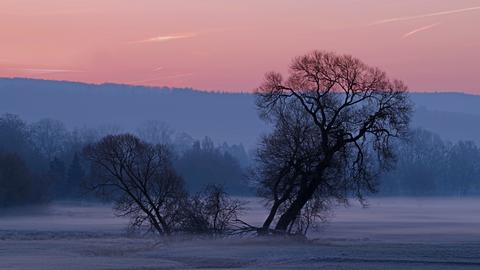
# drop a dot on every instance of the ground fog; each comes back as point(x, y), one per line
point(391, 233)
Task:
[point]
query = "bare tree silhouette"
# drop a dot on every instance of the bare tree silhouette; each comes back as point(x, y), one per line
point(334, 120)
point(141, 179)
point(213, 212)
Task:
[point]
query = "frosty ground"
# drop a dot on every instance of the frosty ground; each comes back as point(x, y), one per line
point(399, 233)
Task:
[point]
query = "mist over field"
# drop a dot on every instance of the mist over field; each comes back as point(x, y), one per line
point(393, 233)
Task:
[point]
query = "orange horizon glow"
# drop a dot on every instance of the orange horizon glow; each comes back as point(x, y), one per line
point(432, 45)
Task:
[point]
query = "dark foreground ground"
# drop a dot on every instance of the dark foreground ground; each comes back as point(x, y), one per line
point(390, 234)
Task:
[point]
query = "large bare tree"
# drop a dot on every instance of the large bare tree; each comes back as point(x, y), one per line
point(141, 179)
point(334, 120)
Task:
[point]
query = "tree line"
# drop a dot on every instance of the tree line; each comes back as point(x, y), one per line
point(43, 161)
point(429, 166)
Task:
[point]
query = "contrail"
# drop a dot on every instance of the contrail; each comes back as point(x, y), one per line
point(448, 12)
point(49, 13)
point(166, 38)
point(173, 76)
point(45, 70)
point(413, 32)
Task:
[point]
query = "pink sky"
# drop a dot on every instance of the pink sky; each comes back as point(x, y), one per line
point(432, 45)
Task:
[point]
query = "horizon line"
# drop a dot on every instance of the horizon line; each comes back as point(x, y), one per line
point(190, 88)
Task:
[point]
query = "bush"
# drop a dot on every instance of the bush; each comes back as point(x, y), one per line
point(212, 212)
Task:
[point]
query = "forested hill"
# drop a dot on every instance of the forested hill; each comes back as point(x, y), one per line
point(222, 116)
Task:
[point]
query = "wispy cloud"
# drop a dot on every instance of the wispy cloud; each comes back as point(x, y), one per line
point(472, 44)
point(421, 29)
point(67, 12)
point(181, 75)
point(171, 37)
point(49, 13)
point(163, 78)
point(45, 70)
point(442, 13)
point(166, 38)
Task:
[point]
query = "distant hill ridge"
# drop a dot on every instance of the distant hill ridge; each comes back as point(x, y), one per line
point(229, 117)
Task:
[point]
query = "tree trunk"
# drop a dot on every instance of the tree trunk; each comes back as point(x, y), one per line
point(156, 225)
point(295, 208)
point(271, 215)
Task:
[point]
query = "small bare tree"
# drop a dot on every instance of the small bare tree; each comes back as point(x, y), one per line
point(141, 179)
point(334, 119)
point(212, 212)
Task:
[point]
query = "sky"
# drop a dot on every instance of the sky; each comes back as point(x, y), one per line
point(432, 45)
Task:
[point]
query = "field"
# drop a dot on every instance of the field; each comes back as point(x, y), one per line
point(401, 233)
